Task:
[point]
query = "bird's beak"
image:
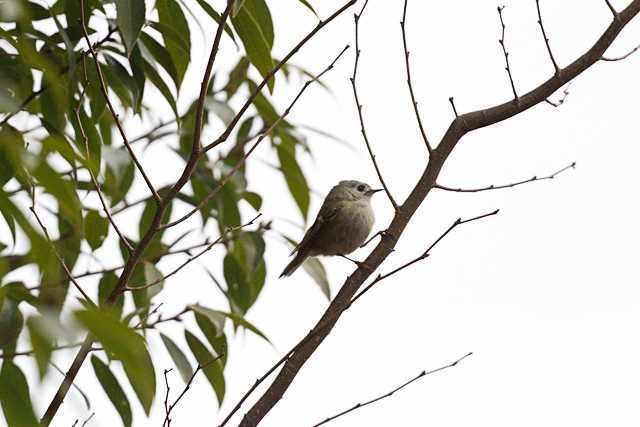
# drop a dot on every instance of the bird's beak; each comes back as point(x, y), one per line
point(372, 191)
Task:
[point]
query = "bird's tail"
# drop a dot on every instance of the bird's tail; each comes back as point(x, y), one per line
point(294, 264)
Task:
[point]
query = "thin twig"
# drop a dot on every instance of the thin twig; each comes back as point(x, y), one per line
point(620, 58)
point(356, 19)
point(187, 386)
point(453, 105)
point(400, 387)
point(612, 9)
point(261, 137)
point(192, 258)
point(124, 240)
point(167, 420)
point(30, 352)
point(513, 184)
point(116, 119)
point(506, 54)
point(565, 93)
point(32, 208)
point(546, 39)
point(422, 256)
point(408, 69)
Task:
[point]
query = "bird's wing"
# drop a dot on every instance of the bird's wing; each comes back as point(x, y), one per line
point(325, 215)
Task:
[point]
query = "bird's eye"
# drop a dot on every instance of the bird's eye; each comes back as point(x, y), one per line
point(361, 188)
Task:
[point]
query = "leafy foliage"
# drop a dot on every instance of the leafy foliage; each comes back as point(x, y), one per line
point(62, 157)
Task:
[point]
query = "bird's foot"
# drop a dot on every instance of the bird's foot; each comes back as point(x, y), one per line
point(359, 264)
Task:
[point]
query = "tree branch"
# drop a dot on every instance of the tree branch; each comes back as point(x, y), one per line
point(388, 394)
point(408, 69)
point(460, 126)
point(506, 54)
point(513, 184)
point(620, 58)
point(546, 39)
point(356, 19)
point(116, 117)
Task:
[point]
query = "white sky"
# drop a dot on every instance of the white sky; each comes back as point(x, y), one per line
point(545, 294)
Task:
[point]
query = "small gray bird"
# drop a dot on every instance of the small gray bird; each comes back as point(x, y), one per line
point(343, 224)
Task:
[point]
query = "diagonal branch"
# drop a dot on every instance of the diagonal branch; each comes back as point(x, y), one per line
point(506, 54)
point(116, 117)
point(459, 127)
point(408, 69)
point(388, 394)
point(124, 240)
point(546, 39)
point(513, 184)
point(356, 18)
point(262, 136)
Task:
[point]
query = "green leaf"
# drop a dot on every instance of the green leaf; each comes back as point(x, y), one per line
point(161, 55)
point(315, 269)
point(19, 10)
point(113, 389)
point(218, 341)
point(131, 18)
point(11, 321)
point(41, 343)
point(170, 14)
point(162, 87)
point(17, 82)
point(105, 287)
point(128, 347)
point(178, 357)
point(255, 43)
point(14, 397)
point(121, 75)
point(308, 6)
point(217, 318)
point(136, 62)
point(217, 18)
point(211, 367)
point(259, 10)
point(253, 199)
point(294, 177)
point(220, 109)
point(96, 229)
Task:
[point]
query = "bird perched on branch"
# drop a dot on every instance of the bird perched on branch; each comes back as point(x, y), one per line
point(343, 224)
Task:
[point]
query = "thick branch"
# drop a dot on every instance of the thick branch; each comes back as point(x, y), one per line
point(457, 129)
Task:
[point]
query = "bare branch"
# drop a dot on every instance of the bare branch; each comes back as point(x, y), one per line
point(620, 58)
point(408, 69)
point(246, 155)
point(186, 388)
point(356, 18)
point(546, 39)
point(400, 387)
point(453, 105)
point(612, 9)
point(506, 54)
point(513, 184)
point(116, 117)
point(565, 93)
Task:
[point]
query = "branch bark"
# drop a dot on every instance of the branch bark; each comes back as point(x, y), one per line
point(459, 127)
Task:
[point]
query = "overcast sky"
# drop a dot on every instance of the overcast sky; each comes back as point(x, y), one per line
point(545, 294)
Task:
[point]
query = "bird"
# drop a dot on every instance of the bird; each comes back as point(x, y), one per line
point(342, 225)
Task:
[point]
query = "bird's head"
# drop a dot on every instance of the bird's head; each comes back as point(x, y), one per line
point(356, 190)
